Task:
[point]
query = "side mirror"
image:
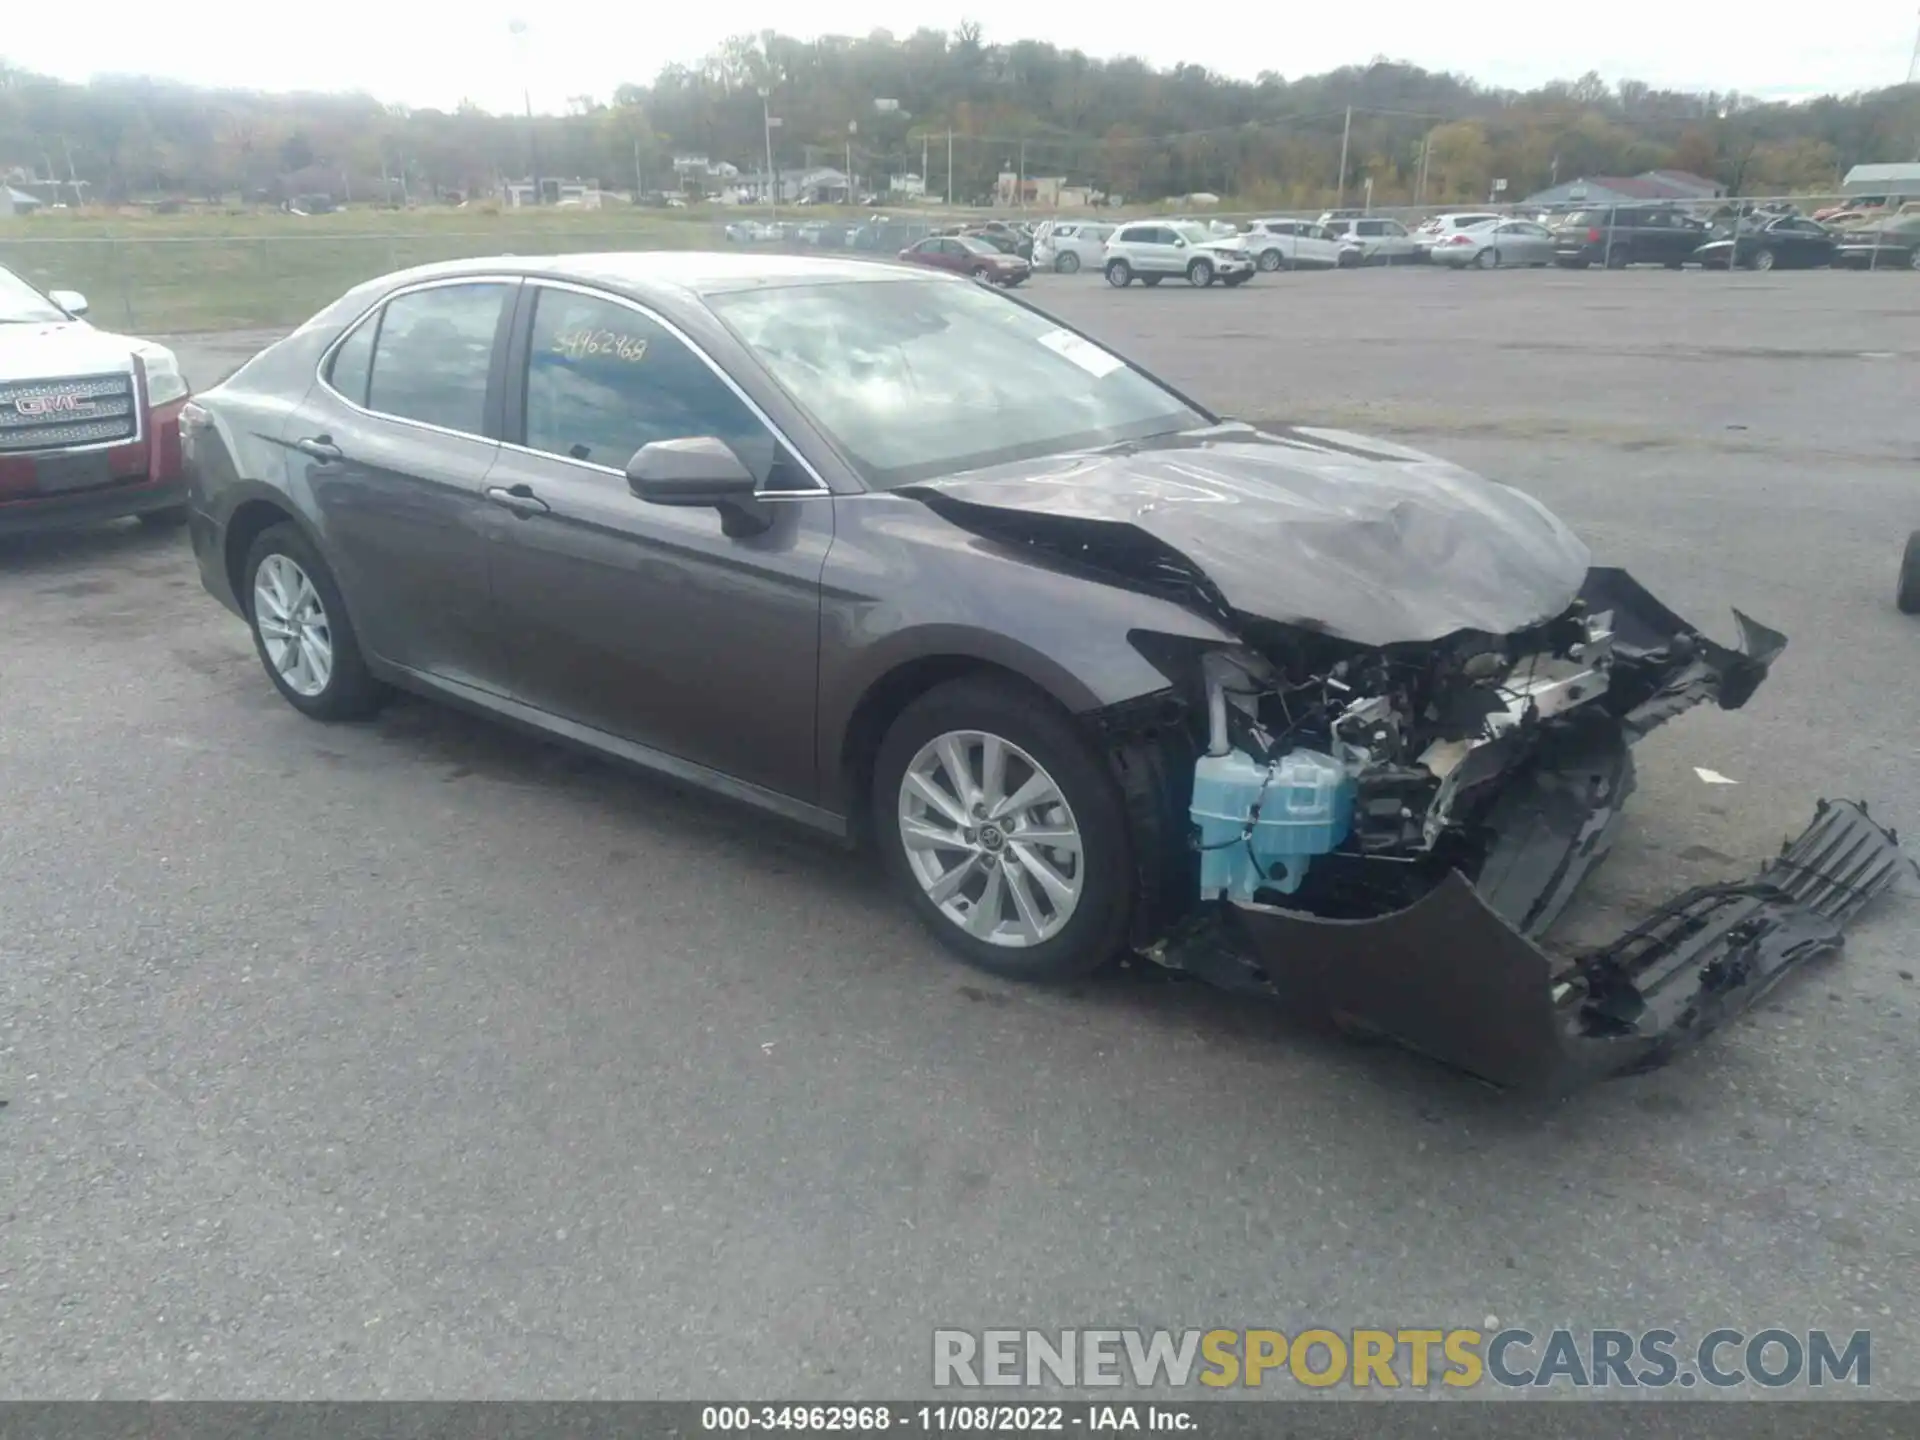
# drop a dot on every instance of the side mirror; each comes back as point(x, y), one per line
point(1179, 244)
point(700, 472)
point(71, 301)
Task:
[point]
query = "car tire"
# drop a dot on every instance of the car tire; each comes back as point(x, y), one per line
point(1119, 274)
point(1272, 260)
point(1200, 274)
point(982, 274)
point(1908, 595)
point(1035, 735)
point(1762, 261)
point(1067, 263)
point(1619, 258)
point(171, 518)
point(348, 690)
point(1487, 259)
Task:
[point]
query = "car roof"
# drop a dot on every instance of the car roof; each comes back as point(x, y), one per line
point(670, 272)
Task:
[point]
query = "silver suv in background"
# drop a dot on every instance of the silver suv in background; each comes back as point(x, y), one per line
point(1151, 250)
point(1373, 240)
point(1070, 245)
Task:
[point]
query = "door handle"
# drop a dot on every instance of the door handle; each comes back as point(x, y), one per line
point(320, 447)
point(518, 498)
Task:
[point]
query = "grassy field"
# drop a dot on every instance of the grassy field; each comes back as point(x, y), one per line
point(164, 274)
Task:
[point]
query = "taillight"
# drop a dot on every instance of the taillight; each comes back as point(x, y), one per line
point(1593, 235)
point(1460, 240)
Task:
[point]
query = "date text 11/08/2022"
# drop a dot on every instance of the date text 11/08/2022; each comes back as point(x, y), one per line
point(951, 1419)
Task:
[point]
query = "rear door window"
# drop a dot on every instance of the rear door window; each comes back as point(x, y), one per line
point(433, 355)
point(352, 362)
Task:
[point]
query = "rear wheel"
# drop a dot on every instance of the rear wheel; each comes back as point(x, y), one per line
point(1272, 260)
point(1119, 274)
point(1913, 258)
point(1618, 258)
point(1908, 597)
point(1763, 260)
point(301, 631)
point(1005, 830)
point(1488, 259)
point(1067, 263)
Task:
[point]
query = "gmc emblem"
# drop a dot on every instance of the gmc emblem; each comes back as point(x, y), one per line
point(35, 405)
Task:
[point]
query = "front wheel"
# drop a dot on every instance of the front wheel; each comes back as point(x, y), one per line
point(1119, 274)
point(1005, 830)
point(1200, 274)
point(301, 631)
point(1763, 260)
point(1488, 259)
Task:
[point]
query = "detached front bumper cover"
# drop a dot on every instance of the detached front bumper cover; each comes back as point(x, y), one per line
point(1452, 979)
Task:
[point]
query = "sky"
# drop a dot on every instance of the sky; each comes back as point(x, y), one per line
point(439, 52)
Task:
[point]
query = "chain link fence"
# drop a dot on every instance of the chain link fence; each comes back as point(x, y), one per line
point(144, 281)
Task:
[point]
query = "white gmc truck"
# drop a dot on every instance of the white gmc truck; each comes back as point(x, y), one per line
point(89, 421)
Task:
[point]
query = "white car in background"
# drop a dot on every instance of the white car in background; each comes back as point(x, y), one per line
point(1291, 245)
point(1373, 240)
point(1441, 226)
point(1151, 250)
point(1511, 243)
point(1071, 245)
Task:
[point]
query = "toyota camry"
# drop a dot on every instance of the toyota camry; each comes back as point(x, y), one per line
point(1093, 669)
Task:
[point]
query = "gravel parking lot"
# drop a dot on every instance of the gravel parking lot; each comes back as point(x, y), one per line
point(421, 1059)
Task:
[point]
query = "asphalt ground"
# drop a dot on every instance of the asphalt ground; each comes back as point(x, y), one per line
point(419, 1059)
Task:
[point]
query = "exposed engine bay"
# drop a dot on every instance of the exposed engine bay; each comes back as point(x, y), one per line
point(1386, 832)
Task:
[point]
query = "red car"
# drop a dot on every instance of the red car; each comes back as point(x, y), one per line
point(968, 256)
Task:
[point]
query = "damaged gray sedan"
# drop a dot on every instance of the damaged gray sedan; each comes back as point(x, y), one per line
point(1093, 669)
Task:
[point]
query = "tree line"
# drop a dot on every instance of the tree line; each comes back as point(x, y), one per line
point(893, 106)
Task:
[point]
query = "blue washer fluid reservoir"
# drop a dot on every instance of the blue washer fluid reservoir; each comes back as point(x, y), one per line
point(1305, 804)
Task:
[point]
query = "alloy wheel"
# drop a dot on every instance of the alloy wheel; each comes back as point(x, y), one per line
point(990, 839)
point(293, 625)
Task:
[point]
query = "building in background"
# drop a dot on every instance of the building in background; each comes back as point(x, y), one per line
point(1674, 185)
point(1896, 182)
point(574, 194)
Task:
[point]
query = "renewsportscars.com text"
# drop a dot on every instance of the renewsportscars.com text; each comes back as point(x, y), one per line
point(1771, 1358)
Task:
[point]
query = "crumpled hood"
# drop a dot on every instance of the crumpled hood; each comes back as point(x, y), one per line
point(1354, 537)
point(60, 348)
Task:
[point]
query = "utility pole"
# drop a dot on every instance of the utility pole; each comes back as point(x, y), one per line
point(924, 177)
point(1346, 133)
point(518, 29)
point(1420, 186)
point(773, 183)
point(1022, 176)
point(949, 167)
point(639, 180)
point(853, 127)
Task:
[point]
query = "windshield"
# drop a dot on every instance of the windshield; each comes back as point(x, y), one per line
point(21, 304)
point(977, 245)
point(1195, 234)
point(922, 378)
